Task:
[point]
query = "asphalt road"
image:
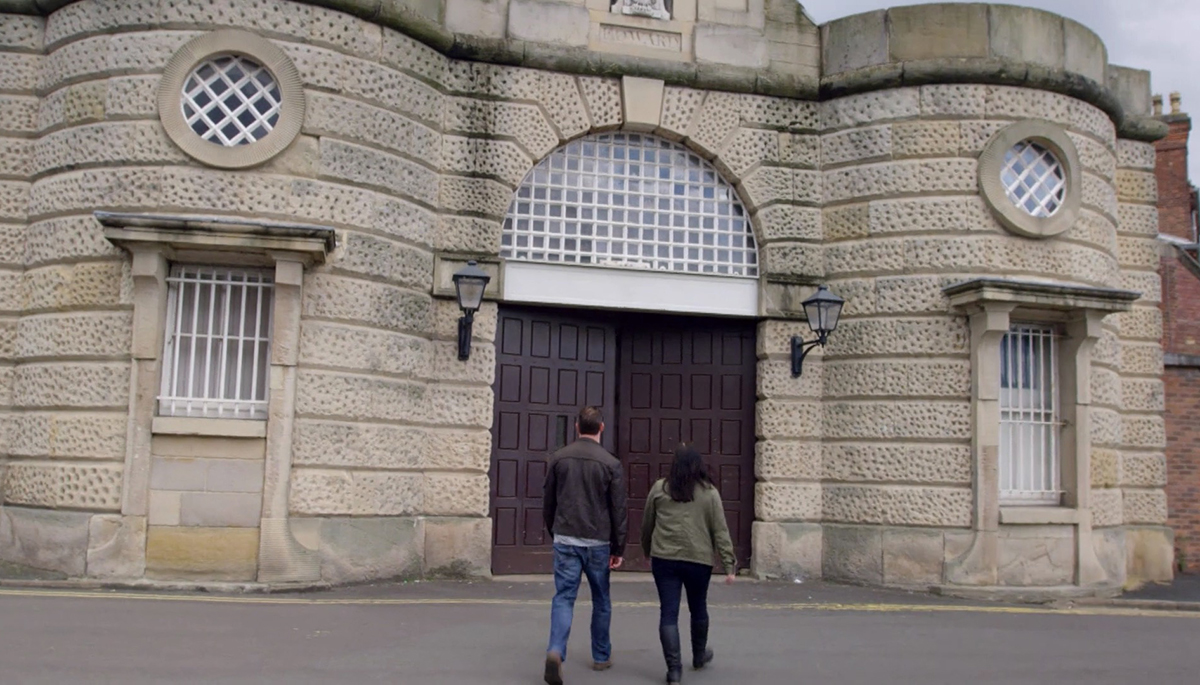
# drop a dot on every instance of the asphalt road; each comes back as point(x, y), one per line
point(495, 633)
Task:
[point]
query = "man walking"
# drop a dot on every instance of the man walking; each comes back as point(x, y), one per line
point(584, 506)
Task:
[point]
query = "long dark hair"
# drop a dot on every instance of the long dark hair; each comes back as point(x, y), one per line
point(686, 471)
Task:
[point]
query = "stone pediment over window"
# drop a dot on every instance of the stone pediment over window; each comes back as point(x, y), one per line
point(655, 9)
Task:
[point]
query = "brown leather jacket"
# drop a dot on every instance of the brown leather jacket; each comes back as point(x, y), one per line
point(585, 495)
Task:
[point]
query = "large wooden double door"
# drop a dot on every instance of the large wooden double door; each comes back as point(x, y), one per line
point(659, 380)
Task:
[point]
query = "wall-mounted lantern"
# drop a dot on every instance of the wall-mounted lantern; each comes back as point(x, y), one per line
point(822, 310)
point(469, 284)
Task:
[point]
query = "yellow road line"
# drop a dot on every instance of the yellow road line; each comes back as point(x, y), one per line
point(873, 607)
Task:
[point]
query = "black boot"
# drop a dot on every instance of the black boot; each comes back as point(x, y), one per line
point(669, 635)
point(701, 654)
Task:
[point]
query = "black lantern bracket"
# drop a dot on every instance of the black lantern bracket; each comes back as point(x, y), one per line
point(822, 310)
point(800, 350)
point(469, 285)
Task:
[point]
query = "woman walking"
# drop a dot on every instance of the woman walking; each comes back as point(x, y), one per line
point(683, 524)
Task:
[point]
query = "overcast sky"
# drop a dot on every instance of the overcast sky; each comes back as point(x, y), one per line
point(1160, 35)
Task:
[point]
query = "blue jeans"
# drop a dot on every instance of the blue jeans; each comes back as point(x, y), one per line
point(570, 563)
point(673, 579)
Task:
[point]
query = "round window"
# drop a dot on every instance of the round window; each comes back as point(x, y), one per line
point(1031, 178)
point(1034, 179)
point(231, 100)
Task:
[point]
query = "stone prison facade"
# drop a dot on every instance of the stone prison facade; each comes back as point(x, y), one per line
point(229, 326)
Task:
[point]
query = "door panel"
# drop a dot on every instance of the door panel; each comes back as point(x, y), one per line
point(548, 367)
point(693, 381)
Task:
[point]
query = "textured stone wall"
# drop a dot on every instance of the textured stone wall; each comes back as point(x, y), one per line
point(903, 219)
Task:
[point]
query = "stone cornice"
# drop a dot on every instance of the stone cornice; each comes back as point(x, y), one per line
point(1039, 295)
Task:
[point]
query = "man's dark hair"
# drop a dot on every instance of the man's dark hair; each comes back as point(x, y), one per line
point(589, 420)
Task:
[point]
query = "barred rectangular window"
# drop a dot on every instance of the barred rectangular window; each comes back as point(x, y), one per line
point(217, 352)
point(1029, 416)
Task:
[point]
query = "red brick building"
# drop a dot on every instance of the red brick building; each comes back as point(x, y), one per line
point(1181, 333)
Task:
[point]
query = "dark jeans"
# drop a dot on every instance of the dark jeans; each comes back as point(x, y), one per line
point(570, 563)
point(672, 578)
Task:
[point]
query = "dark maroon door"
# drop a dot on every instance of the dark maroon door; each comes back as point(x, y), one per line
point(680, 378)
point(688, 380)
point(548, 366)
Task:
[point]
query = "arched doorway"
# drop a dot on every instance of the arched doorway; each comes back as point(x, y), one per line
point(620, 248)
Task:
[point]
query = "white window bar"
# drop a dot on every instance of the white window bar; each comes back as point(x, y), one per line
point(1034, 179)
point(1029, 416)
point(634, 201)
point(231, 100)
point(217, 351)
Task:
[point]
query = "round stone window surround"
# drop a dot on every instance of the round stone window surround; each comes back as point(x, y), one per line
point(991, 164)
point(253, 47)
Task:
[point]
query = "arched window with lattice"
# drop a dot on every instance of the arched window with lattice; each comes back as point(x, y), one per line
point(630, 200)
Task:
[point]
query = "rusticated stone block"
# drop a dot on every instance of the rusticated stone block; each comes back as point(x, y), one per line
point(362, 549)
point(680, 106)
point(912, 419)
point(1106, 427)
point(1133, 154)
point(116, 547)
point(445, 321)
point(792, 259)
point(870, 108)
point(1141, 359)
point(900, 505)
point(1135, 252)
point(1143, 470)
point(933, 464)
point(932, 215)
point(1036, 556)
point(458, 547)
point(384, 493)
point(351, 300)
point(16, 158)
point(789, 222)
point(524, 123)
point(925, 139)
point(748, 148)
point(775, 380)
point(1094, 156)
point(499, 159)
point(92, 487)
point(787, 460)
point(1144, 431)
point(913, 294)
point(174, 553)
point(113, 143)
point(880, 378)
point(455, 495)
point(476, 195)
point(386, 260)
point(392, 89)
point(1007, 102)
point(99, 334)
point(1105, 468)
point(391, 173)
point(331, 444)
point(321, 492)
point(788, 419)
point(479, 369)
point(361, 397)
point(563, 99)
point(1108, 508)
point(912, 556)
point(1137, 219)
point(800, 150)
point(365, 350)
point(787, 502)
point(82, 385)
point(1098, 195)
point(719, 117)
point(1091, 119)
point(786, 550)
point(21, 32)
point(953, 100)
point(775, 337)
point(1142, 395)
point(14, 197)
point(853, 554)
point(1142, 323)
point(935, 337)
point(51, 540)
point(459, 407)
point(62, 435)
point(1136, 186)
point(19, 71)
point(872, 181)
point(402, 52)
point(1145, 506)
point(856, 145)
point(346, 33)
point(974, 135)
point(846, 222)
point(452, 449)
point(603, 99)
point(767, 185)
point(1106, 388)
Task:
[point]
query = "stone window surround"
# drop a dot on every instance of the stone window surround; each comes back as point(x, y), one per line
point(154, 241)
point(257, 48)
point(991, 162)
point(991, 304)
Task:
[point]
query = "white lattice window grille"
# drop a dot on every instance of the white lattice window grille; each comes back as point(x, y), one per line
point(231, 100)
point(1029, 416)
point(1034, 179)
point(634, 201)
point(217, 351)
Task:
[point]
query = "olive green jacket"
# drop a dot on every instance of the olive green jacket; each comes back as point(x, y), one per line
point(686, 531)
